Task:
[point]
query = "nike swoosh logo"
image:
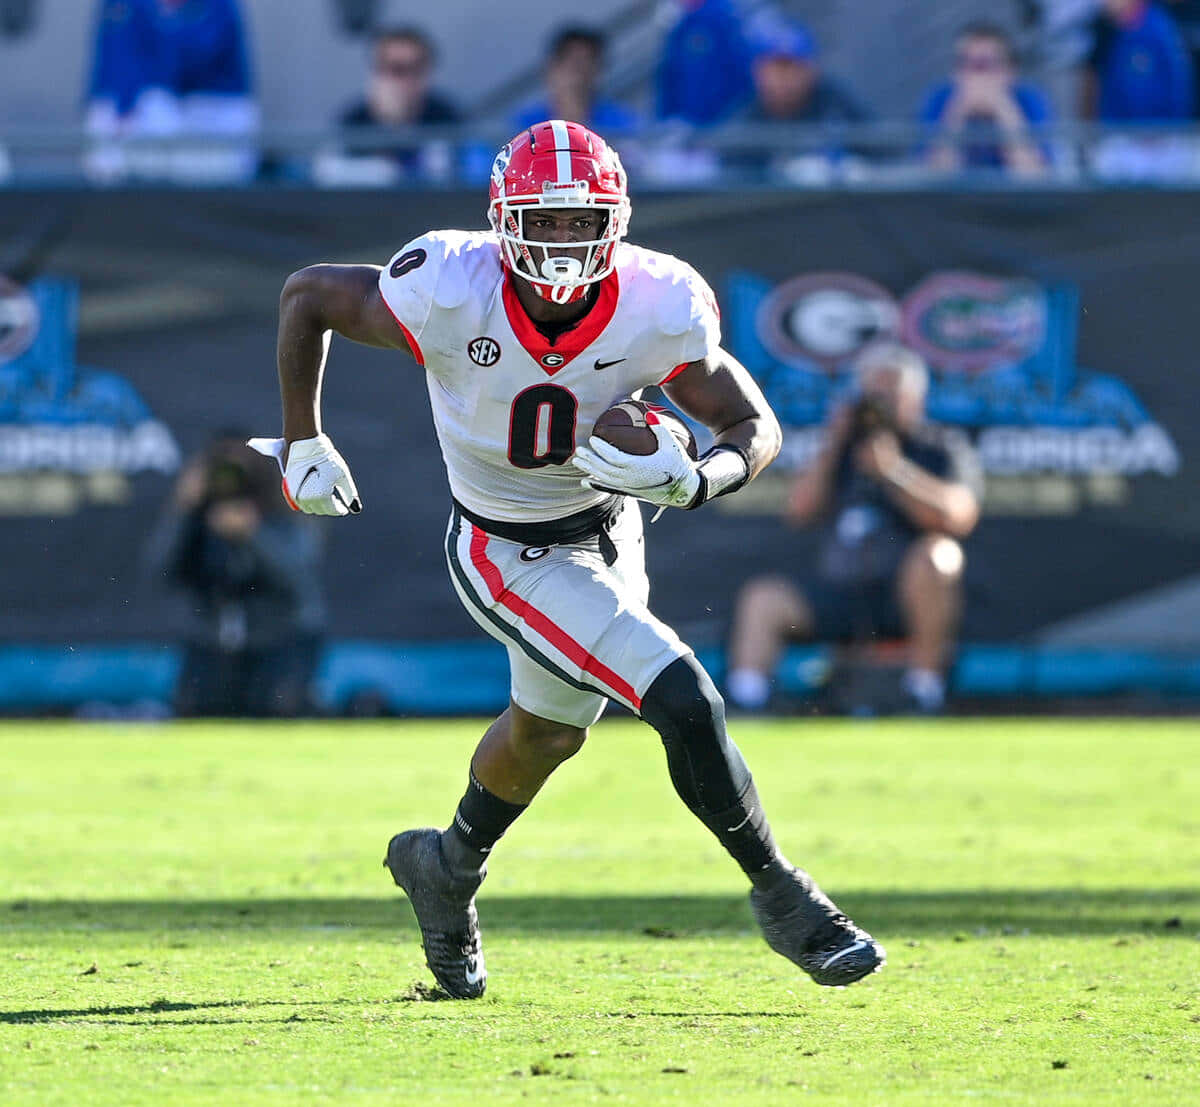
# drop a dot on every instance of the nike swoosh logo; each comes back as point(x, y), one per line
point(843, 952)
point(598, 364)
point(311, 469)
point(475, 971)
point(733, 829)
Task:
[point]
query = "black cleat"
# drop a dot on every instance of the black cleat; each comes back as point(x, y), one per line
point(445, 908)
point(803, 924)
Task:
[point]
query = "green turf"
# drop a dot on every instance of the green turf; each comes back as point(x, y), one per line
point(197, 914)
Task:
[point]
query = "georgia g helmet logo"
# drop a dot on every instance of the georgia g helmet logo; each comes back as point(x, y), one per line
point(564, 166)
point(500, 166)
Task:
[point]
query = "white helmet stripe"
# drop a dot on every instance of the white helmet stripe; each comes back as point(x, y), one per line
point(562, 152)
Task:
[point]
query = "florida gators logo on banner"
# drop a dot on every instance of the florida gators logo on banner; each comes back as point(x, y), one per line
point(971, 322)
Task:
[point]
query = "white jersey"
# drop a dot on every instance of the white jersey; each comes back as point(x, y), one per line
point(509, 404)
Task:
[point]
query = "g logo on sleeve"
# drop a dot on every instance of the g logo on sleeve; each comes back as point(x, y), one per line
point(407, 262)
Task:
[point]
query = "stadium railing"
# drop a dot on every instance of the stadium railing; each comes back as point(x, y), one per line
point(883, 155)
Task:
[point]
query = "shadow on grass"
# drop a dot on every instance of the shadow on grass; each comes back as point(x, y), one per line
point(161, 1013)
point(145, 1013)
point(1168, 912)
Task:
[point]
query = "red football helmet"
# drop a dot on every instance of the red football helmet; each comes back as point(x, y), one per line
point(560, 165)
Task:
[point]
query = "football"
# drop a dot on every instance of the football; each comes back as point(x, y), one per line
point(624, 426)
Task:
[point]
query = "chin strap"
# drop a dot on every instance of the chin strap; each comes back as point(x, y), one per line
point(722, 470)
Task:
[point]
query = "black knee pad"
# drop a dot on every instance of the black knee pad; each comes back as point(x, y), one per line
point(686, 709)
point(683, 697)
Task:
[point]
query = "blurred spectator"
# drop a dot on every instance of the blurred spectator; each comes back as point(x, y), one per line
point(399, 93)
point(790, 88)
point(789, 85)
point(901, 495)
point(983, 114)
point(704, 71)
point(1186, 14)
point(1139, 68)
point(1139, 71)
point(170, 69)
point(249, 568)
point(1063, 40)
point(574, 62)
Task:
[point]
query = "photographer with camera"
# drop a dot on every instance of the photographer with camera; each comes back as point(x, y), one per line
point(900, 495)
point(249, 569)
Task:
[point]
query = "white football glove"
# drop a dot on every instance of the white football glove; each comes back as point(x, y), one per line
point(316, 479)
point(667, 477)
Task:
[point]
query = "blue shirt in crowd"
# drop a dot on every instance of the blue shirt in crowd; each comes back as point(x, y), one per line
point(182, 46)
point(980, 147)
point(606, 117)
point(704, 71)
point(1143, 69)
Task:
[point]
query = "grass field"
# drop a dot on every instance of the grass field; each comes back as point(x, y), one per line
point(197, 914)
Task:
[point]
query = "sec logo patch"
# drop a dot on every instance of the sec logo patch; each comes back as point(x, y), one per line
point(483, 351)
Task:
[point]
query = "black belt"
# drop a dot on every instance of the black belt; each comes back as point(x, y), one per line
point(593, 522)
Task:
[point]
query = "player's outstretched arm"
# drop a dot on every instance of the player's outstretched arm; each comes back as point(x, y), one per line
point(719, 392)
point(316, 302)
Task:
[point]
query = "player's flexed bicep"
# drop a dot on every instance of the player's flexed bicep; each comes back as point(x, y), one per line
point(719, 392)
point(316, 302)
point(714, 388)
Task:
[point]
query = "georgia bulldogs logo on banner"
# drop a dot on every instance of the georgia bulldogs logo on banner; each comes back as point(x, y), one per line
point(825, 318)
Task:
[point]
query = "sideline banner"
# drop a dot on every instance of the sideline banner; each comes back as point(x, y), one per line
point(1059, 328)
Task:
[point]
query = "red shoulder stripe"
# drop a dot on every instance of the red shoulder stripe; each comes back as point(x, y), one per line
point(408, 335)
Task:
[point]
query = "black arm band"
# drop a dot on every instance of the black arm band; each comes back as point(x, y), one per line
point(722, 470)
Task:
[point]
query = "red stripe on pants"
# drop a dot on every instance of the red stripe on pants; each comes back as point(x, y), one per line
point(542, 624)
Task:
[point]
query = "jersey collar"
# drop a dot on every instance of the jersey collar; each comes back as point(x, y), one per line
point(552, 356)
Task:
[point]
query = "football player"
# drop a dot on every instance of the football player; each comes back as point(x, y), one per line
point(527, 333)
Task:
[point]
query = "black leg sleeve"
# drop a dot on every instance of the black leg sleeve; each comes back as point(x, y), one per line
point(707, 769)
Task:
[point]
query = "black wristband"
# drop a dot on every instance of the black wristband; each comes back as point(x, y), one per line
point(722, 470)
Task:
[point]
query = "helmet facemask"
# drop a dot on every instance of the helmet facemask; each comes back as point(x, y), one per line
point(559, 272)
